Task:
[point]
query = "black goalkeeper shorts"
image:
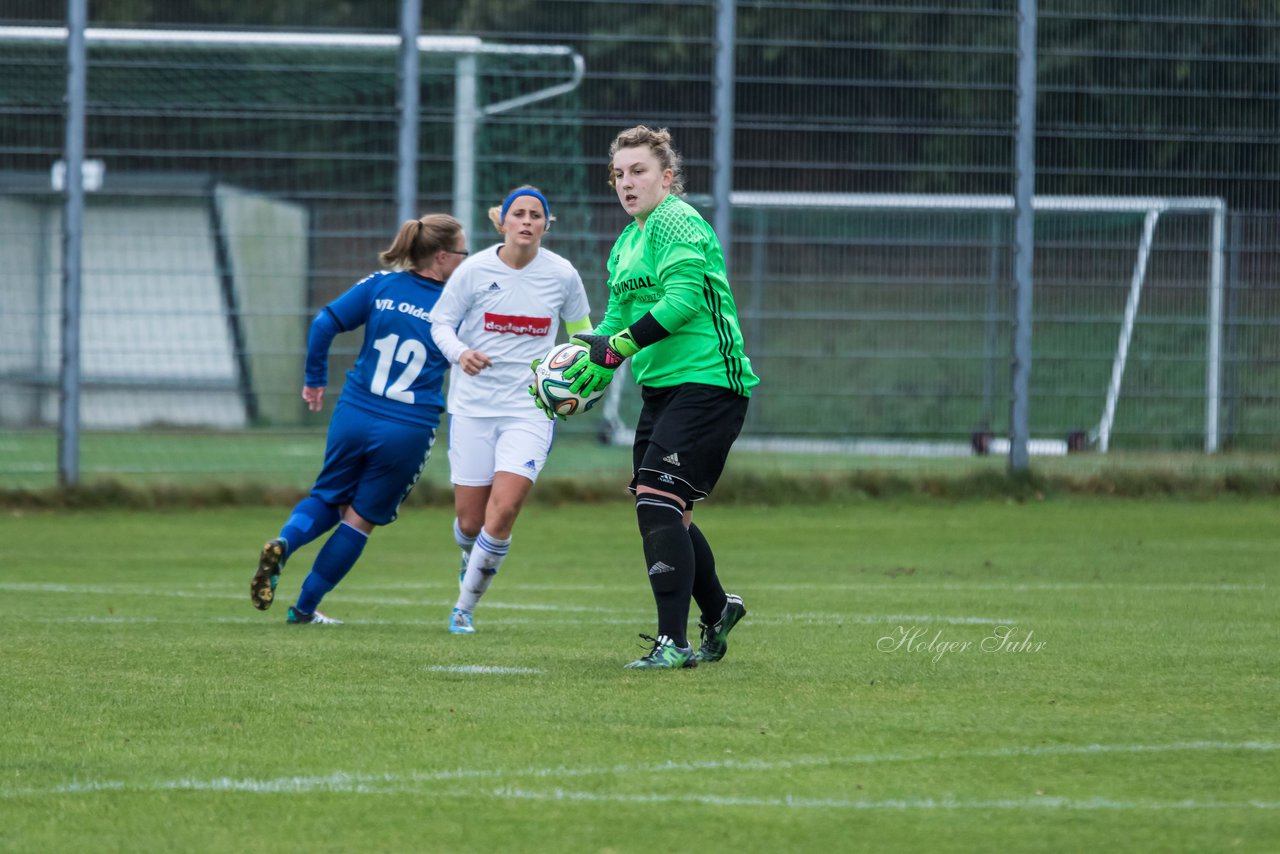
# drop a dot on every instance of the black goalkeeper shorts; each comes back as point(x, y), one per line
point(683, 438)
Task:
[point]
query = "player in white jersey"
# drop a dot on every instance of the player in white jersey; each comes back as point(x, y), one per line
point(500, 310)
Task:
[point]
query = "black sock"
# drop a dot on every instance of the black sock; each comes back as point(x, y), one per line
point(668, 552)
point(707, 591)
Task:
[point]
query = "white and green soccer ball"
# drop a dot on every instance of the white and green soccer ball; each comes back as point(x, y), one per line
point(553, 389)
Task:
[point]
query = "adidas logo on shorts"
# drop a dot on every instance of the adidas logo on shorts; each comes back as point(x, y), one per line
point(672, 458)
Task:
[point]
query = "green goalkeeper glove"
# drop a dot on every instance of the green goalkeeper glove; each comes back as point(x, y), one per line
point(606, 354)
point(537, 401)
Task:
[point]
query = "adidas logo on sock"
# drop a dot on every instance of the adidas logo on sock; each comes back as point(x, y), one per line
point(672, 458)
point(660, 567)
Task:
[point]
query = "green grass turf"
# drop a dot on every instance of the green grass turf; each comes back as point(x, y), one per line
point(147, 707)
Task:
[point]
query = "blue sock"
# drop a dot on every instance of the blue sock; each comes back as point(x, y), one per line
point(311, 518)
point(339, 553)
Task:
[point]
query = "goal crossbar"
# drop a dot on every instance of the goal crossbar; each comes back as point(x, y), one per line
point(1151, 206)
point(468, 111)
point(966, 202)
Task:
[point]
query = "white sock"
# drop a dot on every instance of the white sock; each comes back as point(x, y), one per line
point(465, 543)
point(486, 556)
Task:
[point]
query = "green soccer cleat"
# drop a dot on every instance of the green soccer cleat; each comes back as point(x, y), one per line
point(713, 644)
point(297, 618)
point(664, 654)
point(262, 590)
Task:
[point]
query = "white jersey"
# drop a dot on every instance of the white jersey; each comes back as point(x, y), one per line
point(512, 316)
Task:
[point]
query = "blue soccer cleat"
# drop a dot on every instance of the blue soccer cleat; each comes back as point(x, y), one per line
point(460, 622)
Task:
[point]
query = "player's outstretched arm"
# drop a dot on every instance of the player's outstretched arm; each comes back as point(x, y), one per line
point(324, 327)
point(607, 352)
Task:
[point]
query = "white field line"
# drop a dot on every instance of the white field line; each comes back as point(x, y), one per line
point(496, 605)
point(159, 591)
point(638, 620)
point(793, 802)
point(273, 619)
point(925, 586)
point(219, 589)
point(356, 783)
point(922, 585)
point(483, 669)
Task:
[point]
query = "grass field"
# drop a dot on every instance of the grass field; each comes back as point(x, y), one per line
point(865, 703)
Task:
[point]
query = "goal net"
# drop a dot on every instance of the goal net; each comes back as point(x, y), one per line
point(880, 323)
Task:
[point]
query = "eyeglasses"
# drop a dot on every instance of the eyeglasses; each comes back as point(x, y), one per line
point(464, 253)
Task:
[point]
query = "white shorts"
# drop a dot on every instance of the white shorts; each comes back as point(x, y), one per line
point(479, 447)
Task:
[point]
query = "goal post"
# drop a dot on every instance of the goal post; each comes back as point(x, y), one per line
point(469, 108)
point(897, 299)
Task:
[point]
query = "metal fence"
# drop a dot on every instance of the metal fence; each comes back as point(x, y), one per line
point(248, 170)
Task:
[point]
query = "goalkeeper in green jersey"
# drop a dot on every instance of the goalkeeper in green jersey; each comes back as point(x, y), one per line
point(672, 313)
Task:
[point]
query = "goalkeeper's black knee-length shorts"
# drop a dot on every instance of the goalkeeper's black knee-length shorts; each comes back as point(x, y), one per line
point(683, 437)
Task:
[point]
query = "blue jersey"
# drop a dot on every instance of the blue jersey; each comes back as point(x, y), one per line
point(399, 373)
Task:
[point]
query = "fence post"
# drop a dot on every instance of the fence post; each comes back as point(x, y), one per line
point(722, 144)
point(407, 158)
point(1024, 236)
point(72, 242)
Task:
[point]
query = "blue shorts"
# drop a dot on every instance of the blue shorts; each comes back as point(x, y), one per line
point(371, 463)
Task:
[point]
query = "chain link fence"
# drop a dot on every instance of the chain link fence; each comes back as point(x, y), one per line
point(248, 158)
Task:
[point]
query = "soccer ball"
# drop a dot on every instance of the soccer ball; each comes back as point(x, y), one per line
point(551, 386)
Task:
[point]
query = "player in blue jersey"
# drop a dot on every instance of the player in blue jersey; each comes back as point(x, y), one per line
point(385, 421)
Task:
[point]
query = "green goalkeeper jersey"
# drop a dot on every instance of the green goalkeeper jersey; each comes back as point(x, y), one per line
point(674, 268)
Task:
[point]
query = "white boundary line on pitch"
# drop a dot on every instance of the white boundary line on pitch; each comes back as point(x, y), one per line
point(150, 592)
point(924, 585)
point(222, 589)
point(793, 802)
point(354, 783)
point(483, 669)
point(497, 605)
point(766, 620)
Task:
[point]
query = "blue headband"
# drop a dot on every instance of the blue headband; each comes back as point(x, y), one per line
point(515, 194)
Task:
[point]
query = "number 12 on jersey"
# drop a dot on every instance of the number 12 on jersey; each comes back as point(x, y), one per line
point(392, 350)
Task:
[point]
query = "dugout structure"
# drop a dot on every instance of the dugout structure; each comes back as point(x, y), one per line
point(182, 300)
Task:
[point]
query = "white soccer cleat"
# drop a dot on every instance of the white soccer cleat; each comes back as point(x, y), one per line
point(298, 618)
